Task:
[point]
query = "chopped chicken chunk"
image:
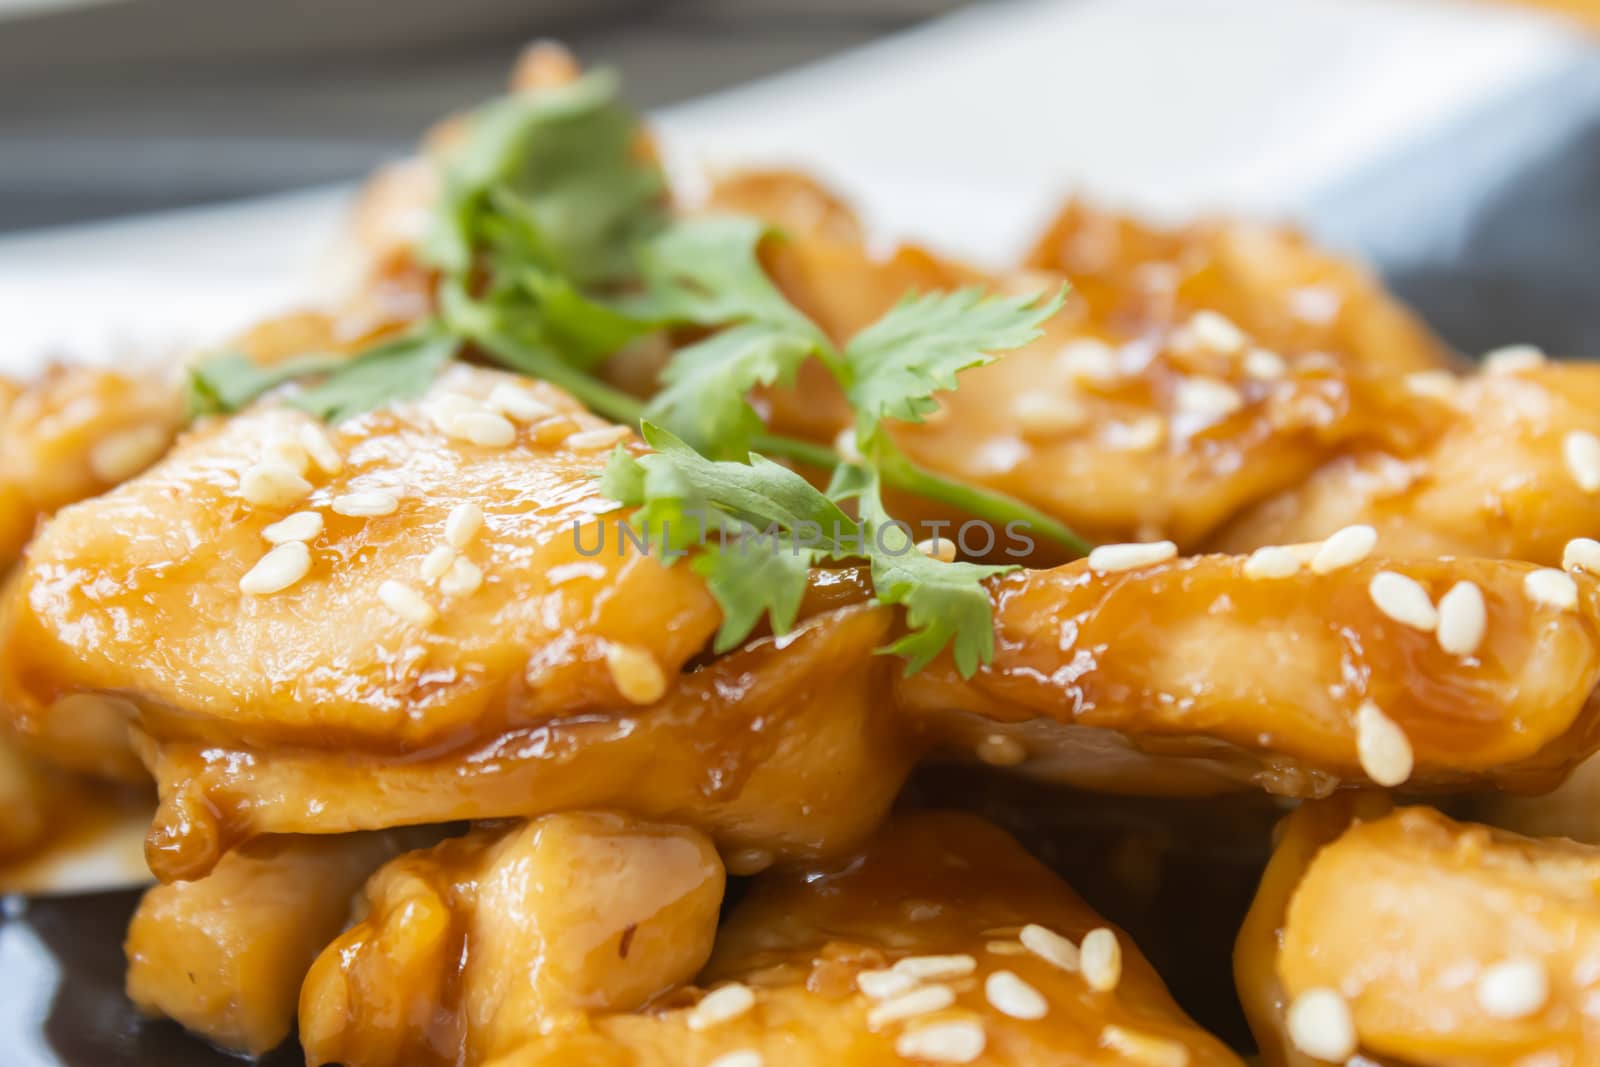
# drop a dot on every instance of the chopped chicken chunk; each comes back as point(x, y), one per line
point(943, 942)
point(225, 955)
point(485, 941)
point(1506, 465)
point(1443, 944)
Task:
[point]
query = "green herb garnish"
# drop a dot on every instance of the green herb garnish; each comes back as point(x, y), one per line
point(555, 249)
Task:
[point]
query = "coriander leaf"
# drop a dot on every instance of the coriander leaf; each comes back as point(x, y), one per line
point(706, 271)
point(705, 386)
point(555, 178)
point(229, 381)
point(583, 330)
point(389, 371)
point(896, 364)
point(751, 576)
point(946, 603)
point(771, 524)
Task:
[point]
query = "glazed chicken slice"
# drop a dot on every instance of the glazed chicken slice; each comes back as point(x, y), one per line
point(466, 950)
point(1442, 944)
point(225, 955)
point(429, 639)
point(1301, 835)
point(443, 646)
point(1149, 417)
point(1290, 296)
point(942, 942)
point(1507, 465)
point(1126, 673)
point(75, 432)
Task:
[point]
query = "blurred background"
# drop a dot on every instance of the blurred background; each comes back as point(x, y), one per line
point(115, 106)
point(1453, 143)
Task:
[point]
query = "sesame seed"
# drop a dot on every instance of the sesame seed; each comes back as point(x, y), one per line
point(519, 404)
point(908, 1005)
point(463, 525)
point(924, 968)
point(1404, 600)
point(601, 437)
point(1433, 384)
point(882, 983)
point(1512, 359)
point(998, 750)
point(407, 603)
point(120, 456)
point(961, 1041)
point(436, 564)
point(320, 448)
point(635, 673)
point(1513, 989)
point(1143, 434)
point(482, 428)
point(277, 570)
point(1148, 1050)
point(1344, 548)
point(1551, 588)
point(1047, 414)
point(1271, 561)
point(1213, 330)
point(745, 1057)
point(1010, 995)
point(747, 861)
point(1320, 1025)
point(1100, 959)
point(289, 453)
point(844, 443)
point(1382, 747)
point(554, 430)
point(1582, 554)
point(1049, 946)
point(301, 526)
point(273, 484)
point(445, 405)
point(1210, 398)
point(1004, 948)
point(1113, 559)
point(463, 579)
point(1582, 452)
point(365, 505)
point(1264, 365)
point(940, 548)
point(1463, 619)
point(721, 1005)
point(1085, 358)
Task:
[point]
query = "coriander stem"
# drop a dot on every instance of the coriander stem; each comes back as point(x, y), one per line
point(900, 473)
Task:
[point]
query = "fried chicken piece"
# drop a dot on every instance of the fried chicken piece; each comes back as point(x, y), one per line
point(781, 749)
point(1509, 466)
point(912, 951)
point(1191, 676)
point(1288, 295)
point(482, 942)
point(165, 588)
point(1443, 944)
point(1140, 414)
point(225, 955)
point(75, 432)
point(515, 684)
point(1301, 835)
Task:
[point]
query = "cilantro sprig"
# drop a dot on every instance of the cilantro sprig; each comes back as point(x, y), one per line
point(554, 249)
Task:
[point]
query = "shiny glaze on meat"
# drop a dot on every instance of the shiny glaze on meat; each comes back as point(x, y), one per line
point(1486, 475)
point(1404, 916)
point(225, 955)
point(930, 884)
point(1259, 680)
point(467, 950)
